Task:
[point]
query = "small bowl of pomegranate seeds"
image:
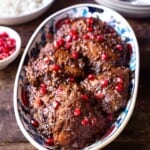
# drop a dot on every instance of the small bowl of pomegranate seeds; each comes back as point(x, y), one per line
point(77, 80)
point(10, 44)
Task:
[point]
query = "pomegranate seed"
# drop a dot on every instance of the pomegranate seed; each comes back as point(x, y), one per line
point(100, 38)
point(74, 34)
point(86, 36)
point(84, 97)
point(43, 88)
point(129, 47)
point(119, 87)
point(46, 60)
point(56, 104)
point(110, 117)
point(104, 83)
point(24, 97)
point(100, 95)
point(90, 21)
point(67, 21)
point(77, 111)
point(119, 47)
point(71, 79)
point(75, 37)
point(104, 57)
point(4, 35)
point(49, 141)
point(91, 77)
point(119, 80)
point(68, 38)
point(85, 121)
point(55, 67)
point(34, 123)
point(74, 55)
point(59, 43)
point(90, 29)
point(68, 45)
point(93, 121)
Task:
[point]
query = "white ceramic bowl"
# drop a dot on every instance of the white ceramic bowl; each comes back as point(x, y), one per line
point(39, 36)
point(22, 18)
point(12, 34)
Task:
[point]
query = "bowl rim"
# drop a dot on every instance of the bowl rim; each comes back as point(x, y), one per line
point(28, 13)
point(125, 121)
point(18, 40)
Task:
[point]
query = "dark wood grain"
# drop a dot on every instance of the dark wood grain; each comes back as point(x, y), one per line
point(136, 135)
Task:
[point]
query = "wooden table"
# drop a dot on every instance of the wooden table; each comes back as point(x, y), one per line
point(136, 135)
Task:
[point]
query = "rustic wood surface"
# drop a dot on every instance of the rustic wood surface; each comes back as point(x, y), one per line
point(136, 135)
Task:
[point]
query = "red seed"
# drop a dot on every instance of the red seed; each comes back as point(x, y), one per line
point(74, 34)
point(129, 47)
point(68, 45)
point(46, 60)
point(100, 96)
point(84, 97)
point(77, 111)
point(49, 141)
point(55, 67)
point(100, 38)
point(104, 56)
point(67, 21)
point(91, 77)
point(90, 21)
point(119, 80)
point(104, 83)
point(119, 47)
point(56, 104)
point(34, 123)
point(43, 88)
point(74, 55)
point(68, 38)
point(59, 43)
point(90, 29)
point(119, 87)
point(86, 36)
point(85, 121)
point(4, 35)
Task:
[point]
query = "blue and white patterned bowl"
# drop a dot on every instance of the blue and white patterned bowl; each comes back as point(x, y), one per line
point(39, 38)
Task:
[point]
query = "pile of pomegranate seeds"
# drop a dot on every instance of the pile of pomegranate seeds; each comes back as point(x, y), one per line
point(7, 45)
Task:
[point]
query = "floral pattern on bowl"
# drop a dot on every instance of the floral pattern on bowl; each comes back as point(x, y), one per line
point(40, 37)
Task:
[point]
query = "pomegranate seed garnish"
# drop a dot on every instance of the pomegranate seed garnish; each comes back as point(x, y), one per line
point(67, 21)
point(77, 111)
point(34, 123)
point(74, 34)
point(119, 80)
point(49, 141)
point(46, 60)
point(129, 47)
point(74, 55)
point(104, 56)
point(68, 38)
point(71, 79)
point(84, 97)
point(86, 36)
point(93, 121)
point(110, 117)
point(85, 121)
point(104, 83)
point(90, 29)
point(91, 77)
point(56, 104)
point(43, 88)
point(59, 43)
point(100, 96)
point(119, 87)
point(100, 38)
point(68, 45)
point(90, 21)
point(75, 37)
point(4, 35)
point(119, 47)
point(24, 97)
point(55, 67)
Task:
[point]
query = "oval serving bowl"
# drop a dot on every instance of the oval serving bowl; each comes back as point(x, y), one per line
point(38, 39)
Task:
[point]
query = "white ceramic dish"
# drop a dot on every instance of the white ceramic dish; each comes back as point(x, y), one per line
point(13, 34)
point(83, 10)
point(22, 18)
